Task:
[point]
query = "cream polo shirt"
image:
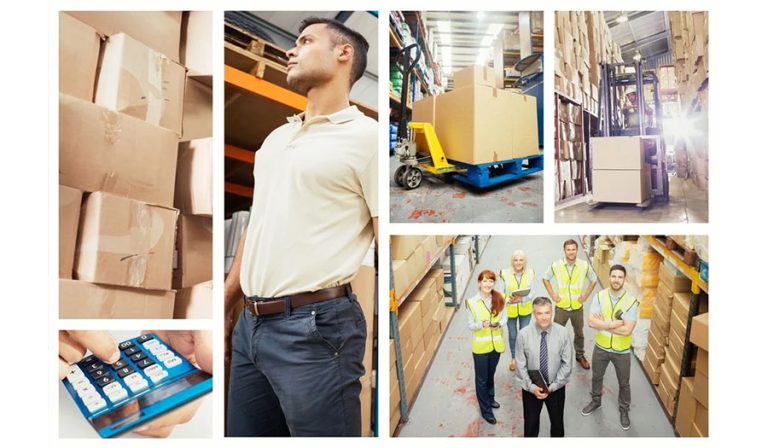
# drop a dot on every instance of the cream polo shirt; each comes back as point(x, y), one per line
point(315, 191)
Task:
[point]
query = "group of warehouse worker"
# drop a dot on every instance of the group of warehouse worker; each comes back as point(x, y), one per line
point(542, 353)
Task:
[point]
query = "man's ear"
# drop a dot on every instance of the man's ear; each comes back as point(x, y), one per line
point(346, 52)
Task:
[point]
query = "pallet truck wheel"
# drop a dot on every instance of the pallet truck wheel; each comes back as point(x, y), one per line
point(399, 175)
point(412, 178)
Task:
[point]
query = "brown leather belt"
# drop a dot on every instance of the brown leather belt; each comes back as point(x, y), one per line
point(277, 305)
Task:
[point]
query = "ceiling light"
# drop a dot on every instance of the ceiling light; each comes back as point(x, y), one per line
point(623, 17)
point(494, 28)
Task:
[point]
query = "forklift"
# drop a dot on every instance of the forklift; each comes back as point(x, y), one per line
point(409, 174)
point(643, 121)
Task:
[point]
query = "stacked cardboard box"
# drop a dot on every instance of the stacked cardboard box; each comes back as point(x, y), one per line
point(411, 256)
point(118, 151)
point(569, 142)
point(619, 169)
point(364, 285)
point(478, 123)
point(583, 42)
point(643, 274)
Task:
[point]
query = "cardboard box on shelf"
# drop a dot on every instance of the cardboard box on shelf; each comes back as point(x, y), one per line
point(138, 81)
point(159, 30)
point(626, 186)
point(474, 75)
point(196, 45)
point(83, 300)
point(194, 189)
point(101, 150)
point(402, 246)
point(408, 317)
point(674, 280)
point(78, 57)
point(686, 408)
point(701, 421)
point(668, 377)
point(700, 331)
point(400, 277)
point(125, 242)
point(660, 316)
point(194, 302)
point(702, 361)
point(69, 219)
point(701, 388)
point(197, 119)
point(653, 371)
point(194, 244)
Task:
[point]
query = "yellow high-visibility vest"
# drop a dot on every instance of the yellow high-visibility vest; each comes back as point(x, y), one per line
point(517, 309)
point(605, 339)
point(569, 286)
point(485, 340)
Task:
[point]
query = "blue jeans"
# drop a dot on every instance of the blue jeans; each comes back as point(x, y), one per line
point(512, 330)
point(298, 374)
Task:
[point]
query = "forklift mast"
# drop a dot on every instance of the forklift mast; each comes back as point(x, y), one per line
point(610, 115)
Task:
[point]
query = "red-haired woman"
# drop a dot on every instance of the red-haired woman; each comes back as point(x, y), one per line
point(486, 320)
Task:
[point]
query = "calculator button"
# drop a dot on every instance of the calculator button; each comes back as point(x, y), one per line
point(74, 373)
point(151, 343)
point(105, 380)
point(138, 356)
point(96, 405)
point(90, 359)
point(159, 348)
point(111, 388)
point(80, 383)
point(118, 395)
point(96, 374)
point(153, 370)
point(119, 364)
point(144, 338)
point(173, 362)
point(133, 378)
point(90, 397)
point(125, 371)
point(138, 386)
point(86, 391)
point(131, 351)
point(125, 345)
point(94, 366)
point(144, 363)
point(156, 378)
point(164, 356)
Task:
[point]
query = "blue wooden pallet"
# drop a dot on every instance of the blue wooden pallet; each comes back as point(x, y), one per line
point(495, 173)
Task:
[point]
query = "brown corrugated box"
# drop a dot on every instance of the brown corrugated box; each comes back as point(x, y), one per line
point(402, 246)
point(83, 300)
point(194, 189)
point(619, 153)
point(125, 242)
point(69, 219)
point(674, 280)
point(196, 47)
point(160, 30)
point(194, 244)
point(399, 277)
point(700, 331)
point(78, 57)
point(474, 75)
point(138, 81)
point(424, 110)
point(100, 150)
point(686, 409)
point(194, 302)
point(197, 120)
point(625, 186)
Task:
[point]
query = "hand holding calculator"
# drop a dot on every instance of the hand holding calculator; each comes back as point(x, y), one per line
point(149, 380)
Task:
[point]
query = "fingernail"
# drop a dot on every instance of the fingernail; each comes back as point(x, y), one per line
point(114, 358)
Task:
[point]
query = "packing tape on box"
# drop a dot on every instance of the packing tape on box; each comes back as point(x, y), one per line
point(112, 129)
point(155, 97)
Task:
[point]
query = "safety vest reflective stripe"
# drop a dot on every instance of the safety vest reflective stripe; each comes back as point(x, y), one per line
point(606, 339)
point(570, 285)
point(485, 340)
point(517, 309)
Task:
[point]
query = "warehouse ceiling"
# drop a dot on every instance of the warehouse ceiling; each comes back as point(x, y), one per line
point(468, 33)
point(644, 31)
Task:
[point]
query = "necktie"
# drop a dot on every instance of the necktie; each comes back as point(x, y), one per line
point(543, 355)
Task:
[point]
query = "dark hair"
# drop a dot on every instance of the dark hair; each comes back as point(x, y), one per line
point(497, 300)
point(539, 301)
point(344, 35)
point(570, 242)
point(618, 267)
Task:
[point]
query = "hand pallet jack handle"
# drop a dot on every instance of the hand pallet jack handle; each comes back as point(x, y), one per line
point(406, 66)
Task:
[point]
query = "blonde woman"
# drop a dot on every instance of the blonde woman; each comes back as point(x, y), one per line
point(517, 279)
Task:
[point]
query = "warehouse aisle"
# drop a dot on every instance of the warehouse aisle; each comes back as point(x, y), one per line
point(437, 201)
point(446, 405)
point(687, 204)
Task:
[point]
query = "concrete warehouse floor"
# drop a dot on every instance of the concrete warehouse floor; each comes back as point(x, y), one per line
point(446, 405)
point(438, 200)
point(686, 204)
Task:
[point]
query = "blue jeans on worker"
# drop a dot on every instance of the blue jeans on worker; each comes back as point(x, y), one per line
point(298, 373)
point(485, 369)
point(512, 330)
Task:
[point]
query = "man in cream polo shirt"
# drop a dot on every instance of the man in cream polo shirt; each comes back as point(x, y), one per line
point(297, 348)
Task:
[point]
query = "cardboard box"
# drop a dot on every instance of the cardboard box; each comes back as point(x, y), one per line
point(408, 316)
point(701, 388)
point(364, 286)
point(701, 421)
point(653, 371)
point(402, 246)
point(668, 377)
point(83, 300)
point(195, 302)
point(681, 304)
point(78, 57)
point(665, 294)
point(627, 186)
point(702, 361)
point(416, 264)
point(674, 280)
point(700, 331)
point(655, 353)
point(619, 153)
point(196, 45)
point(194, 189)
point(366, 405)
point(659, 316)
point(686, 409)
point(400, 277)
point(424, 110)
point(474, 75)
point(69, 219)
point(480, 124)
point(160, 30)
point(125, 242)
point(140, 82)
point(194, 244)
point(394, 421)
point(100, 150)
point(197, 120)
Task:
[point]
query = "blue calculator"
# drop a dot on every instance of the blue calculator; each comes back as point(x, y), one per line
point(149, 380)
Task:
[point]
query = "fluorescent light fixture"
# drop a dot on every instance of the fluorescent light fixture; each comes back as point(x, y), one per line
point(623, 17)
point(444, 26)
point(494, 28)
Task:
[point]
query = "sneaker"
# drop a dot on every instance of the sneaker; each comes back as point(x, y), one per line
point(624, 418)
point(512, 365)
point(590, 408)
